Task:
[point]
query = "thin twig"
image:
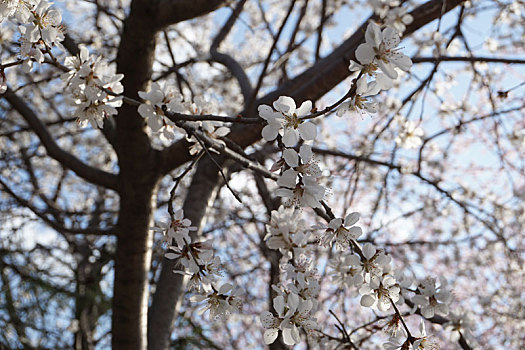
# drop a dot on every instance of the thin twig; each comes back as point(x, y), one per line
point(177, 182)
point(204, 147)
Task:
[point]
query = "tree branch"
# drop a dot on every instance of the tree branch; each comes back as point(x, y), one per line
point(468, 59)
point(175, 11)
point(229, 62)
point(311, 84)
point(89, 173)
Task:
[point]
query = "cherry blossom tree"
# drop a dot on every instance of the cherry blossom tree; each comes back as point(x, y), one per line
point(309, 174)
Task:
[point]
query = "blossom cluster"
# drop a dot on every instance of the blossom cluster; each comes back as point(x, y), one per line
point(92, 87)
point(296, 300)
point(41, 28)
point(379, 51)
point(365, 269)
point(392, 14)
point(197, 261)
point(299, 185)
point(161, 100)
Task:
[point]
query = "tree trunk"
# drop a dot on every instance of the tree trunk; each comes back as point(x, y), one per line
point(138, 177)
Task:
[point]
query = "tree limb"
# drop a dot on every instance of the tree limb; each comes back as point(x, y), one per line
point(311, 84)
point(175, 11)
point(87, 172)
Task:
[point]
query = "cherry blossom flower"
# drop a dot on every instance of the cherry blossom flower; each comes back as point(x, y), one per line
point(220, 303)
point(178, 229)
point(381, 48)
point(86, 84)
point(398, 19)
point(21, 10)
point(341, 231)
point(42, 31)
point(286, 232)
point(306, 192)
point(379, 292)
point(286, 121)
point(305, 279)
point(45, 25)
point(307, 165)
point(423, 342)
point(375, 262)
point(381, 7)
point(394, 326)
point(359, 102)
point(397, 341)
point(460, 324)
point(293, 313)
point(410, 135)
point(152, 110)
point(197, 261)
point(433, 299)
point(346, 271)
point(212, 129)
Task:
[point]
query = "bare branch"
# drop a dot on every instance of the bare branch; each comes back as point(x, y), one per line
point(311, 84)
point(175, 11)
point(68, 160)
point(468, 59)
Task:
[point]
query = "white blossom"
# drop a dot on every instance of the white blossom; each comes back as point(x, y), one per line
point(341, 232)
point(305, 279)
point(398, 18)
point(460, 324)
point(287, 232)
point(432, 299)
point(20, 10)
point(198, 262)
point(213, 129)
point(360, 102)
point(303, 162)
point(177, 229)
point(45, 25)
point(381, 49)
point(346, 271)
point(410, 135)
point(396, 341)
point(152, 111)
point(423, 342)
point(286, 121)
point(87, 85)
point(381, 7)
point(375, 262)
point(307, 192)
point(293, 312)
point(379, 292)
point(220, 302)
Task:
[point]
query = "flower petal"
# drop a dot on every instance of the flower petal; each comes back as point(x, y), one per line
point(290, 137)
point(288, 338)
point(291, 157)
point(365, 54)
point(269, 132)
point(285, 105)
point(270, 335)
point(367, 300)
point(305, 109)
point(267, 319)
point(352, 218)
point(308, 131)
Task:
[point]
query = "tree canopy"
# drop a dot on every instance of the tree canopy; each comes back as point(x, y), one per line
point(309, 174)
